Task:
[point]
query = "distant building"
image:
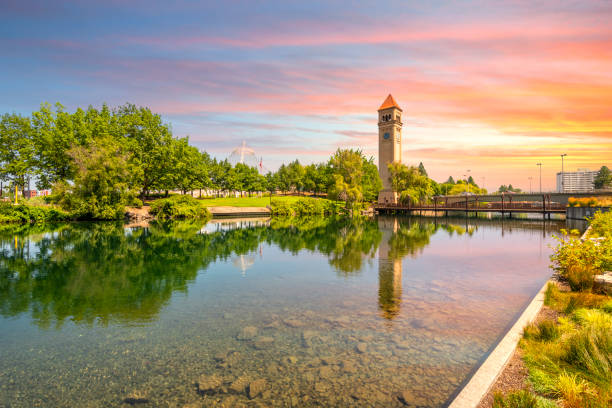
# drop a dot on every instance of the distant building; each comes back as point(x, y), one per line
point(580, 181)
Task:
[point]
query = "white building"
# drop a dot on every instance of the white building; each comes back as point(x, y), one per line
point(580, 181)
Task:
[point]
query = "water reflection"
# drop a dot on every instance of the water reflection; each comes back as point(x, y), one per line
point(103, 272)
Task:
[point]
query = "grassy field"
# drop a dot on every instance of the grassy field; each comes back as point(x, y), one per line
point(247, 201)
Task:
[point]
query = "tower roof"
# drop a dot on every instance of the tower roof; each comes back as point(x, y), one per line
point(389, 103)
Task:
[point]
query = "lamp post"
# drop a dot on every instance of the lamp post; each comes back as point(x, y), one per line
point(468, 185)
point(468, 182)
point(562, 178)
point(530, 184)
point(540, 166)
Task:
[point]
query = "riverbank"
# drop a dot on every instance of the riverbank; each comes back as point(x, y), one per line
point(565, 356)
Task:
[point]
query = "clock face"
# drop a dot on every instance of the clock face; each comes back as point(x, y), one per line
point(386, 136)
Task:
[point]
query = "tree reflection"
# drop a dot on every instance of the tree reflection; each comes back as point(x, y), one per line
point(96, 273)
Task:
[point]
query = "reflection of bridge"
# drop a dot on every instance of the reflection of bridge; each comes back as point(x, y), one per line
point(546, 204)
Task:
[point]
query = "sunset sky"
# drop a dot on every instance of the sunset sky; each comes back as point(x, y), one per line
point(494, 87)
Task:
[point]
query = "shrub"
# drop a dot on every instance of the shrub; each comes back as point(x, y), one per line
point(590, 350)
point(23, 213)
point(601, 224)
point(516, 399)
point(578, 261)
point(303, 206)
point(573, 390)
point(546, 330)
point(178, 207)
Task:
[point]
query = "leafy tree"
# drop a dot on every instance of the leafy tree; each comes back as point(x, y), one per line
point(16, 149)
point(371, 179)
point(410, 183)
point(100, 189)
point(470, 180)
point(450, 180)
point(422, 169)
point(603, 178)
point(347, 173)
point(54, 136)
point(295, 173)
point(150, 146)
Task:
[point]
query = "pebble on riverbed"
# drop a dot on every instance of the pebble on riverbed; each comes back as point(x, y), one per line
point(209, 384)
point(247, 333)
point(256, 387)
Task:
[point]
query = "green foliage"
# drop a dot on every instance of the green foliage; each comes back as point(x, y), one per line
point(545, 330)
point(578, 261)
point(179, 207)
point(413, 186)
point(100, 189)
point(303, 207)
point(24, 213)
point(603, 178)
point(516, 399)
point(508, 189)
point(601, 224)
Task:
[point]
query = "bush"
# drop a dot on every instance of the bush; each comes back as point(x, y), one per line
point(578, 261)
point(544, 331)
point(178, 207)
point(590, 350)
point(516, 399)
point(601, 224)
point(23, 213)
point(302, 207)
point(583, 202)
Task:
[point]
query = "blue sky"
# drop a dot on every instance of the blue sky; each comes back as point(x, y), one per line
point(493, 87)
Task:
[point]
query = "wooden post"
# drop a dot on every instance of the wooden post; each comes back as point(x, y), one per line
point(502, 205)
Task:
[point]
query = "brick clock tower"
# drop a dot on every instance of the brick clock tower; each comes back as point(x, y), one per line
point(389, 146)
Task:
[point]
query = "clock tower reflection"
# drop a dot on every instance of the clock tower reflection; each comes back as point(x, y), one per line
point(389, 271)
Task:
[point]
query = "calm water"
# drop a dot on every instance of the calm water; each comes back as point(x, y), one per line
point(328, 313)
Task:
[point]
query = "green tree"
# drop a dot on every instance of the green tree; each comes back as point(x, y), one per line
point(422, 169)
point(603, 178)
point(371, 179)
point(347, 173)
point(100, 189)
point(410, 183)
point(150, 146)
point(54, 136)
point(16, 149)
point(450, 180)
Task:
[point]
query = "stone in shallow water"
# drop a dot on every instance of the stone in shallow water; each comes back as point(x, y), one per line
point(361, 348)
point(247, 333)
point(263, 342)
point(209, 384)
point(349, 367)
point(136, 397)
point(407, 397)
point(325, 372)
point(256, 387)
point(293, 322)
point(239, 385)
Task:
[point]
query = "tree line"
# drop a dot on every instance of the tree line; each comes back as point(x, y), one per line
point(97, 161)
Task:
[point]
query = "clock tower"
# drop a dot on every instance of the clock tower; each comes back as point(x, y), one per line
point(389, 146)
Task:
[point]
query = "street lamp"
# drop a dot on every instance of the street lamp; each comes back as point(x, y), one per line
point(540, 166)
point(468, 182)
point(530, 184)
point(562, 178)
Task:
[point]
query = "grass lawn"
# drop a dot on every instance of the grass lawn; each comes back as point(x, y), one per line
point(248, 201)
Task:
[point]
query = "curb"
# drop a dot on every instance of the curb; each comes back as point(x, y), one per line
point(483, 379)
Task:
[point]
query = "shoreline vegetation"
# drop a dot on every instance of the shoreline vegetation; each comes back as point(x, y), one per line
point(566, 357)
point(97, 162)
